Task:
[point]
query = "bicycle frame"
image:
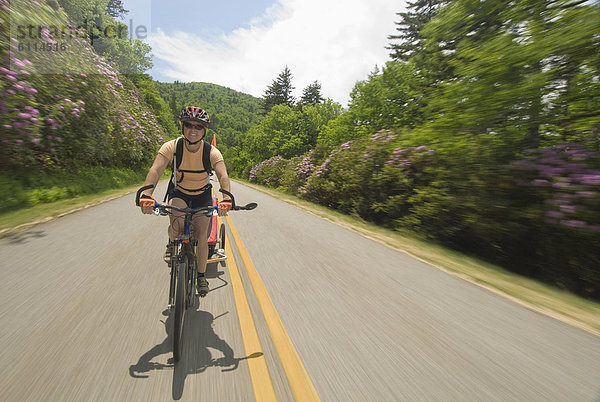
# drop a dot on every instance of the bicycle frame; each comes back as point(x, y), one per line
point(184, 245)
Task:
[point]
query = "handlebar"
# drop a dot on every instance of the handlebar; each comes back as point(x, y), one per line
point(162, 208)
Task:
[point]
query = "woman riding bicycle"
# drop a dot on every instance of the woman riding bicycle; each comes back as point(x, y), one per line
point(192, 187)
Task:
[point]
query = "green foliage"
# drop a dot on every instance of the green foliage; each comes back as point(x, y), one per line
point(115, 8)
point(276, 134)
point(341, 129)
point(289, 132)
point(386, 100)
point(110, 38)
point(157, 104)
point(270, 172)
point(14, 195)
point(311, 95)
point(409, 29)
point(37, 187)
point(130, 56)
point(279, 92)
point(523, 66)
point(72, 119)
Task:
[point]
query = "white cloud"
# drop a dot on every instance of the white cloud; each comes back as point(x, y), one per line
point(336, 42)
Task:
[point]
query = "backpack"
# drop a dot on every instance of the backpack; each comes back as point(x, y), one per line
point(178, 156)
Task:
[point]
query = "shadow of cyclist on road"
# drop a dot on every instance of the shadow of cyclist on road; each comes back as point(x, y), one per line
point(144, 363)
point(198, 336)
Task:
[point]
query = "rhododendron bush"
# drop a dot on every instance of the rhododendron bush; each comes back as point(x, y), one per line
point(63, 105)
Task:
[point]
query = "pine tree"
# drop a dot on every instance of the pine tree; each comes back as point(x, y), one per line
point(420, 12)
point(312, 94)
point(279, 92)
point(115, 8)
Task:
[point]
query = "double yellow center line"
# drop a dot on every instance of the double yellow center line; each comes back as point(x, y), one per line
point(296, 374)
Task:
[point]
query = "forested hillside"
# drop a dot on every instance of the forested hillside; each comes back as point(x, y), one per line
point(482, 133)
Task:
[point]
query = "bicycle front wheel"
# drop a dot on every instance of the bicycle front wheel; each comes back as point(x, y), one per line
point(179, 307)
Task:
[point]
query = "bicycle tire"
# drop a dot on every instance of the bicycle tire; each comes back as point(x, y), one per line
point(179, 308)
point(222, 236)
point(191, 282)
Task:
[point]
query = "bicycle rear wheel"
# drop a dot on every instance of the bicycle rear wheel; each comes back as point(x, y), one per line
point(222, 236)
point(179, 307)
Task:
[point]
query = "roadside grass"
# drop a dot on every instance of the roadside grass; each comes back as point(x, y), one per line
point(532, 294)
point(16, 221)
point(42, 197)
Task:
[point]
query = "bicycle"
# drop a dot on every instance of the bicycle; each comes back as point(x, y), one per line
point(183, 264)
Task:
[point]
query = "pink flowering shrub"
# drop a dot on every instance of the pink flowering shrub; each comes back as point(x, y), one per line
point(567, 178)
point(269, 172)
point(371, 177)
point(88, 115)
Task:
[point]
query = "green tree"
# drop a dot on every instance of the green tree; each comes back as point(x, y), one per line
point(412, 21)
point(519, 69)
point(311, 95)
point(288, 131)
point(131, 56)
point(279, 92)
point(109, 38)
point(157, 104)
point(387, 99)
point(277, 134)
point(315, 117)
point(81, 12)
point(115, 9)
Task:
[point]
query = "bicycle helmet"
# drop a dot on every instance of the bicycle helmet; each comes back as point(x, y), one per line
point(193, 113)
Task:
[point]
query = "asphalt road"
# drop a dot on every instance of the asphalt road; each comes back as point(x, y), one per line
point(82, 317)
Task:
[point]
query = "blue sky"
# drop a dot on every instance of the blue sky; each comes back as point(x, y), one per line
point(208, 19)
point(196, 16)
point(244, 45)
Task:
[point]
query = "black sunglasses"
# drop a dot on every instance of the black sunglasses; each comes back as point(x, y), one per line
point(193, 126)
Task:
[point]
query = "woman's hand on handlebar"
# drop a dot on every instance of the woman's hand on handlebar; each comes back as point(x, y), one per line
point(144, 200)
point(224, 207)
point(147, 204)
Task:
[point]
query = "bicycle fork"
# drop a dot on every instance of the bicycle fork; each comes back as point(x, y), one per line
point(181, 249)
point(174, 267)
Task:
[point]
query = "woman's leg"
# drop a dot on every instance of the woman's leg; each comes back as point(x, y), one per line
point(177, 218)
point(201, 232)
